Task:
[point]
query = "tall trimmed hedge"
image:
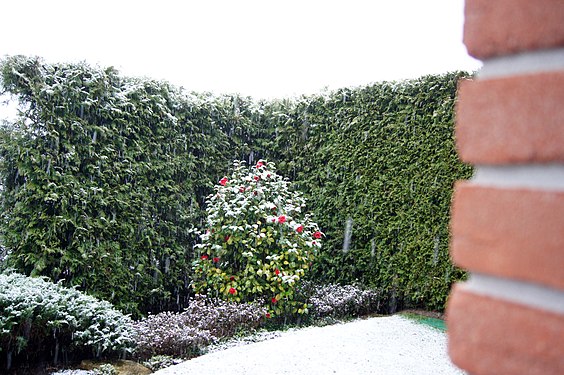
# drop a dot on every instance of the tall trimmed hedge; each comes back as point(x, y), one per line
point(382, 159)
point(105, 176)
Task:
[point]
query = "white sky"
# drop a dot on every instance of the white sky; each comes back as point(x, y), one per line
point(261, 48)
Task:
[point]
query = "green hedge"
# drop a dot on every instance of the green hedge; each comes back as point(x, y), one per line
point(104, 177)
point(382, 158)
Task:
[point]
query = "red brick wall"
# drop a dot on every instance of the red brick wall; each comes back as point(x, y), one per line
point(508, 220)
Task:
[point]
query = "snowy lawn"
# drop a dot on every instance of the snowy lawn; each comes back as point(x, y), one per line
point(381, 345)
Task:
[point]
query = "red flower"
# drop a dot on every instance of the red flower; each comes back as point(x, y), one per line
point(232, 278)
point(260, 164)
point(257, 178)
point(268, 175)
point(277, 271)
point(216, 260)
point(204, 257)
point(274, 300)
point(281, 219)
point(300, 228)
point(267, 315)
point(317, 235)
point(227, 238)
point(313, 242)
point(232, 291)
point(242, 189)
point(273, 220)
point(223, 181)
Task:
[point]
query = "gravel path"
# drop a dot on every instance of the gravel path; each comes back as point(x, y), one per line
point(386, 345)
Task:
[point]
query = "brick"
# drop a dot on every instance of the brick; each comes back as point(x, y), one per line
point(519, 119)
point(500, 27)
point(492, 336)
point(513, 233)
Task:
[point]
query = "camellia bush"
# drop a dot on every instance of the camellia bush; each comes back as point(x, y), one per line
point(259, 241)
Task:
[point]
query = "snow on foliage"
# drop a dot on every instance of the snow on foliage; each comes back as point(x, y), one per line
point(37, 314)
point(204, 321)
point(259, 242)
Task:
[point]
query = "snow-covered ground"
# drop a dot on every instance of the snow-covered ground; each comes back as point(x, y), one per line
point(383, 345)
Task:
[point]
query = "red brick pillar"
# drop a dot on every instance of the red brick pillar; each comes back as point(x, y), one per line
point(508, 220)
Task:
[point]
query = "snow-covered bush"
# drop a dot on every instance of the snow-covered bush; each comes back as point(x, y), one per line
point(204, 321)
point(258, 243)
point(339, 301)
point(38, 316)
point(159, 362)
point(169, 333)
point(106, 369)
point(222, 318)
point(3, 255)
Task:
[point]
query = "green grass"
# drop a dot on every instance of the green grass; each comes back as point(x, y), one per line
point(433, 322)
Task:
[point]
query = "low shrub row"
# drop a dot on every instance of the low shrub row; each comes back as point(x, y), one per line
point(340, 301)
point(44, 321)
point(204, 321)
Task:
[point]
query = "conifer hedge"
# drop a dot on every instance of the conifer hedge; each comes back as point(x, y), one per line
point(104, 178)
point(382, 159)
